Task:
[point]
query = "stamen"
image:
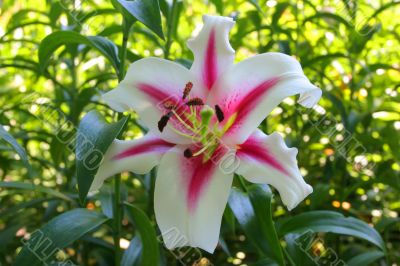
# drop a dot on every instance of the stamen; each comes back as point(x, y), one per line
point(187, 90)
point(164, 121)
point(195, 101)
point(219, 113)
point(203, 149)
point(181, 120)
point(188, 153)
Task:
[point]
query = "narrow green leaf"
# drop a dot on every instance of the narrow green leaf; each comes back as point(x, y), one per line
point(59, 38)
point(332, 16)
point(94, 137)
point(256, 5)
point(148, 237)
point(366, 258)
point(329, 221)
point(147, 12)
point(253, 212)
point(57, 234)
point(31, 187)
point(13, 142)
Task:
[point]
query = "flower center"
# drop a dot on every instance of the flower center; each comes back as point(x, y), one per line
point(192, 119)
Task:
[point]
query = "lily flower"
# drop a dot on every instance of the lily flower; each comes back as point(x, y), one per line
point(203, 128)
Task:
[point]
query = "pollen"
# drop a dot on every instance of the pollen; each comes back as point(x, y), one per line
point(219, 113)
point(188, 153)
point(195, 102)
point(187, 90)
point(164, 121)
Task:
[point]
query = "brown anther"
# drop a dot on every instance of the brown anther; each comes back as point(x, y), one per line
point(188, 153)
point(164, 121)
point(219, 113)
point(195, 101)
point(169, 105)
point(187, 90)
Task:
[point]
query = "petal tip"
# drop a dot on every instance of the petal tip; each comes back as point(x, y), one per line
point(310, 98)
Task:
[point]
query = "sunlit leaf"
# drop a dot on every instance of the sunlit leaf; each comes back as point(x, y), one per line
point(53, 41)
point(147, 12)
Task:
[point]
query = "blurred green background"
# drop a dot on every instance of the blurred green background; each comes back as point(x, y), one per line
point(348, 145)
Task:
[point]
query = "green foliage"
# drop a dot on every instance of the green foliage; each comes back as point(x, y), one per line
point(55, 40)
point(93, 139)
point(57, 234)
point(58, 57)
point(254, 214)
point(150, 246)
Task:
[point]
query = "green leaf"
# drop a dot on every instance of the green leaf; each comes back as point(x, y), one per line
point(34, 188)
point(254, 214)
point(329, 16)
point(59, 38)
point(298, 247)
point(329, 221)
point(94, 137)
point(13, 142)
point(57, 234)
point(7, 236)
point(365, 258)
point(148, 237)
point(256, 5)
point(147, 12)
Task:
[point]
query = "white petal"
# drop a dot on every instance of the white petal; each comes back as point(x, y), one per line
point(148, 84)
point(254, 87)
point(190, 199)
point(266, 159)
point(138, 156)
point(212, 51)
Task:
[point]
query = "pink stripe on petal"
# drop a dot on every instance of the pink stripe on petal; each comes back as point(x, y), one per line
point(197, 174)
point(156, 145)
point(154, 93)
point(210, 67)
point(257, 150)
point(201, 175)
point(247, 103)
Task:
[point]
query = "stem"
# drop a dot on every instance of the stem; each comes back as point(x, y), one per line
point(126, 28)
point(118, 210)
point(171, 22)
point(117, 219)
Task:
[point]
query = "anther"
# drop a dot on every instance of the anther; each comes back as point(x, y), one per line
point(188, 153)
point(219, 113)
point(164, 121)
point(169, 105)
point(187, 90)
point(195, 101)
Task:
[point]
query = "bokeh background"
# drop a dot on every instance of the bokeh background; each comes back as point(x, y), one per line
point(348, 145)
